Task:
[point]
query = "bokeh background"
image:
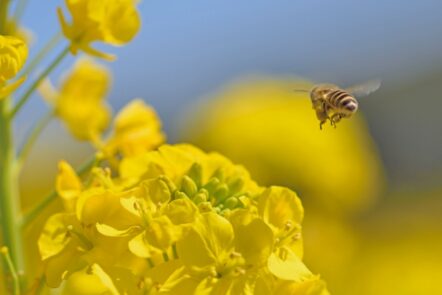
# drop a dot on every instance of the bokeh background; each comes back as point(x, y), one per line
point(373, 194)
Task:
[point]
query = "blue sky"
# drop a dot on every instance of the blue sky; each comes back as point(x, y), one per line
point(190, 48)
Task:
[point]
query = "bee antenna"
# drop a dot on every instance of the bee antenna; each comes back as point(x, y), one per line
point(300, 90)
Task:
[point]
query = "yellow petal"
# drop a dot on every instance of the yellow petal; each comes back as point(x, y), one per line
point(138, 245)
point(254, 240)
point(83, 282)
point(110, 231)
point(290, 268)
point(54, 237)
point(59, 267)
point(310, 286)
point(157, 190)
point(278, 205)
point(137, 129)
point(105, 279)
point(161, 233)
point(210, 239)
point(181, 211)
point(179, 283)
point(97, 205)
point(68, 185)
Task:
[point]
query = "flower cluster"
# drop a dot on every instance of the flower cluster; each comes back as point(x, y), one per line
point(177, 221)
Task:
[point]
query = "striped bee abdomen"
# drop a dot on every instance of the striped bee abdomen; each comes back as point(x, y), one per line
point(342, 101)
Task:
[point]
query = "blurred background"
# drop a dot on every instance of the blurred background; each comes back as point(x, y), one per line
point(221, 74)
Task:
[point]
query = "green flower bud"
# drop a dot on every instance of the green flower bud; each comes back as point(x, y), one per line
point(231, 202)
point(188, 186)
point(236, 184)
point(212, 184)
point(199, 198)
point(219, 173)
point(196, 173)
point(179, 195)
point(221, 192)
point(169, 182)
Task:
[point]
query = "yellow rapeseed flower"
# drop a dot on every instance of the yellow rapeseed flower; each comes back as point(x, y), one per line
point(176, 220)
point(80, 101)
point(137, 129)
point(113, 22)
point(13, 55)
point(274, 132)
point(70, 242)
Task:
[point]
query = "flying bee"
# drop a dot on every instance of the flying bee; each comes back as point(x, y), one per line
point(330, 102)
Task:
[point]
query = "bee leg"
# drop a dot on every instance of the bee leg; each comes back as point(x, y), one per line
point(335, 119)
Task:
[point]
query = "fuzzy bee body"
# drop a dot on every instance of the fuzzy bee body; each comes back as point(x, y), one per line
point(330, 102)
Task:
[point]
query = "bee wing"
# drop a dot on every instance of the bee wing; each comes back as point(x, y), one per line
point(364, 89)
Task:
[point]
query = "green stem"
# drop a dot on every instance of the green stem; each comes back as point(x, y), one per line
point(4, 7)
point(19, 10)
point(42, 54)
point(10, 265)
point(9, 191)
point(39, 79)
point(32, 138)
point(52, 196)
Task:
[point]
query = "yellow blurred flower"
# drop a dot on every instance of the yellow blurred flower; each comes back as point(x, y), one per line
point(80, 101)
point(13, 55)
point(274, 132)
point(343, 243)
point(400, 247)
point(113, 22)
point(137, 129)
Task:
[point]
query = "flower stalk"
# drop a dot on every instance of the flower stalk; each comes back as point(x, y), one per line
point(50, 45)
point(9, 191)
point(32, 138)
point(10, 265)
point(39, 79)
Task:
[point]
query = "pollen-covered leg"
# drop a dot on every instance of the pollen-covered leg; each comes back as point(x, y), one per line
point(335, 119)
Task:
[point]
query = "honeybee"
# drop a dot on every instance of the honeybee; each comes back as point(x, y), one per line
point(330, 102)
